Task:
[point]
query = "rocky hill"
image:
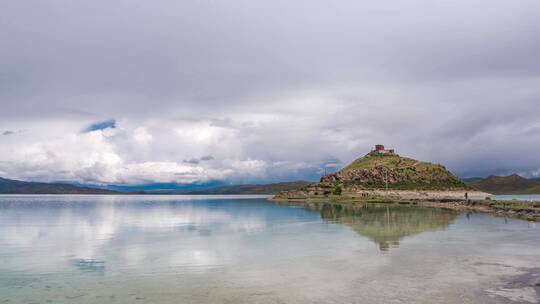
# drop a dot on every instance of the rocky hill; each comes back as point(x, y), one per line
point(511, 184)
point(378, 170)
point(384, 174)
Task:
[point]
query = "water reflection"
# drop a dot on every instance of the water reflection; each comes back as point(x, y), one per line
point(387, 224)
point(175, 249)
point(113, 233)
point(89, 265)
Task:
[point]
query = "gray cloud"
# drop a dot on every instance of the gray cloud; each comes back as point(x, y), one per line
point(12, 132)
point(270, 89)
point(207, 157)
point(196, 161)
point(192, 161)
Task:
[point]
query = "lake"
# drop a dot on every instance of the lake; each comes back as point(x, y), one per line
point(519, 197)
point(241, 249)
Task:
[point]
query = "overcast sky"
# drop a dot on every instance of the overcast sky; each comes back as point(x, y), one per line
point(137, 91)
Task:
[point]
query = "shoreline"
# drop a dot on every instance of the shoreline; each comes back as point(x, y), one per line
point(529, 211)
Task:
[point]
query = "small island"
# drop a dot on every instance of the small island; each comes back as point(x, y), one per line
point(383, 176)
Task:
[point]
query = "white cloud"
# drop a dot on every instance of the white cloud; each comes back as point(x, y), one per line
point(250, 167)
point(101, 157)
point(142, 135)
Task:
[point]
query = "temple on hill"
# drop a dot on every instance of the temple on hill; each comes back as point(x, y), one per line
point(381, 150)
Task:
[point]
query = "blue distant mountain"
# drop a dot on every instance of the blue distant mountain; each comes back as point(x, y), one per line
point(273, 188)
point(9, 186)
point(163, 187)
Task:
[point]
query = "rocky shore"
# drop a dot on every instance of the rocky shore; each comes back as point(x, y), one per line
point(512, 209)
point(516, 209)
point(317, 191)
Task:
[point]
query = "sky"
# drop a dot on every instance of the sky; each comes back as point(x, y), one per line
point(240, 91)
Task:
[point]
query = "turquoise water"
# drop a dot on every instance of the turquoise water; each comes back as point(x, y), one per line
point(185, 249)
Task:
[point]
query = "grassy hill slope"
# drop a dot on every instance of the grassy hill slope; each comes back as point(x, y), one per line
point(375, 170)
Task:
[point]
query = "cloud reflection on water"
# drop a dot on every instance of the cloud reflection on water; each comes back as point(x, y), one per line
point(168, 249)
point(88, 233)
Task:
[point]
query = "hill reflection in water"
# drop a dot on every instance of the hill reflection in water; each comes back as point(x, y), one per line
point(386, 224)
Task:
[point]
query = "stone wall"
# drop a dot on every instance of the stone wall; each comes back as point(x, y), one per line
point(318, 193)
point(419, 194)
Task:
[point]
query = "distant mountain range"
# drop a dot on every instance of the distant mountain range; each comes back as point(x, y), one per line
point(236, 189)
point(512, 184)
point(9, 186)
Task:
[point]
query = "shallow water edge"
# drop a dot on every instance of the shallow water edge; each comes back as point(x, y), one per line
point(527, 210)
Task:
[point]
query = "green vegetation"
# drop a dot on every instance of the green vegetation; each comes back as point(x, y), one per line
point(382, 171)
point(372, 160)
point(337, 190)
point(508, 205)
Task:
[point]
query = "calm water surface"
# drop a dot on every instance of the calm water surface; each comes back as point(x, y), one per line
point(182, 249)
point(519, 197)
